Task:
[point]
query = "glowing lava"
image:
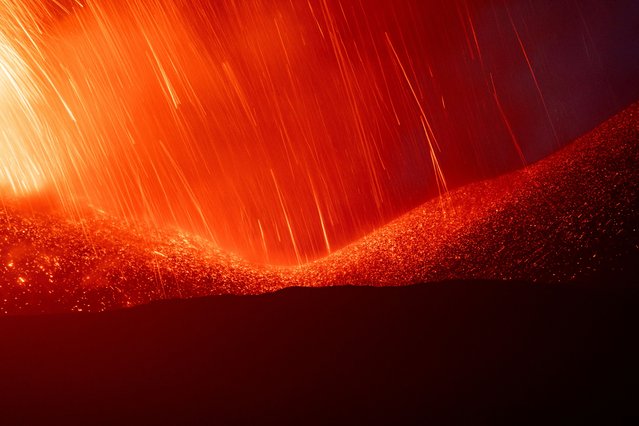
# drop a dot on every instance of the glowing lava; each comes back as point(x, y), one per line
point(17, 168)
point(258, 124)
point(33, 134)
point(20, 128)
point(280, 130)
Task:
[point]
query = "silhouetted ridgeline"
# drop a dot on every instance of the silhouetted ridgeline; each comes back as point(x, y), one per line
point(470, 352)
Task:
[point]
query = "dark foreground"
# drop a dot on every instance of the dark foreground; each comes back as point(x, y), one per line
point(470, 352)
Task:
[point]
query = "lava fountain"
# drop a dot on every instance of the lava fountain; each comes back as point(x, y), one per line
point(18, 169)
point(23, 134)
point(257, 124)
point(280, 130)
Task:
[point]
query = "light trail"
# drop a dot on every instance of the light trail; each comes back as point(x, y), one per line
point(442, 187)
point(534, 76)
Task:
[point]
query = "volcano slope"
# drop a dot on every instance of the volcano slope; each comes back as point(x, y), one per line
point(569, 217)
point(572, 216)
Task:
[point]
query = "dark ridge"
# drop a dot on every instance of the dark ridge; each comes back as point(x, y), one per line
point(466, 352)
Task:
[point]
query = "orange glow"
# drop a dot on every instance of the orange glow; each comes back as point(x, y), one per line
point(256, 124)
point(20, 127)
point(279, 130)
point(17, 168)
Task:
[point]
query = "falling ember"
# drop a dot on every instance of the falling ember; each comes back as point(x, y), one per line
point(279, 130)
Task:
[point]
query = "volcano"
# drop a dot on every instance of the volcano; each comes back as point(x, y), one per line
point(322, 211)
point(469, 350)
point(569, 218)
